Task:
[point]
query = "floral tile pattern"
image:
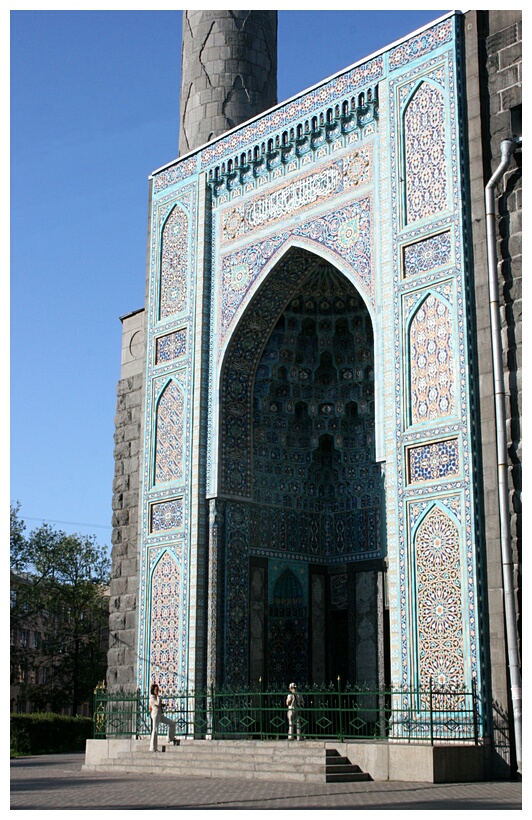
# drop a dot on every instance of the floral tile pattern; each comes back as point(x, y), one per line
point(432, 369)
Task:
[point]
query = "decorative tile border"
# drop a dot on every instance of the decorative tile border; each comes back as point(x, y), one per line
point(166, 515)
point(402, 663)
point(345, 231)
point(303, 192)
point(426, 255)
point(420, 46)
point(433, 461)
point(170, 346)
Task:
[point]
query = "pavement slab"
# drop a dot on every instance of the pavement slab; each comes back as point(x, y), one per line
point(50, 782)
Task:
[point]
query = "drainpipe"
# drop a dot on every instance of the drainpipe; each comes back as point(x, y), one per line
point(507, 149)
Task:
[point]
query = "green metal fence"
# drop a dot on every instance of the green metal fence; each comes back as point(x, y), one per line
point(341, 713)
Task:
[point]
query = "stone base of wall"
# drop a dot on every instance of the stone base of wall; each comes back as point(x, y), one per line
point(381, 760)
point(421, 763)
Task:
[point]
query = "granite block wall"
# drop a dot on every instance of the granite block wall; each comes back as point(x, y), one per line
point(122, 655)
point(493, 84)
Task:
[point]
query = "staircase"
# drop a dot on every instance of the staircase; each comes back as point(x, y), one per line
point(339, 769)
point(307, 761)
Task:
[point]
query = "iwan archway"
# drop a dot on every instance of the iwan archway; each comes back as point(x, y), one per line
point(297, 524)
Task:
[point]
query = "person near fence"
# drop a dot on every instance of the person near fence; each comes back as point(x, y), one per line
point(157, 716)
point(294, 702)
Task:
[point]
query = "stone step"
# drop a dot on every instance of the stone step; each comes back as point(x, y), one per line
point(312, 758)
point(227, 762)
point(347, 778)
point(344, 768)
point(339, 769)
point(277, 745)
point(162, 767)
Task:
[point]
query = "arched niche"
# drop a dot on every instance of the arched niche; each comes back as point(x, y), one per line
point(168, 448)
point(425, 153)
point(439, 600)
point(298, 471)
point(431, 361)
point(173, 264)
point(165, 623)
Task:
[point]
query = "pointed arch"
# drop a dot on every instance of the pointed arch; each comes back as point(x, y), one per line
point(240, 363)
point(301, 352)
point(242, 281)
point(165, 622)
point(438, 593)
point(174, 263)
point(431, 360)
point(242, 355)
point(288, 599)
point(431, 506)
point(425, 152)
point(169, 415)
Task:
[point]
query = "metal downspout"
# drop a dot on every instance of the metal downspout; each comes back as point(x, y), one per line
point(507, 149)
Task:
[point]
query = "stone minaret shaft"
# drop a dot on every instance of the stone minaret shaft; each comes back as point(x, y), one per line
point(228, 73)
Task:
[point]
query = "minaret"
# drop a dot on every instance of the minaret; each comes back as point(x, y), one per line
point(228, 72)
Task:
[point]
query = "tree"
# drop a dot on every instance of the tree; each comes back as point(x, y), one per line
point(59, 614)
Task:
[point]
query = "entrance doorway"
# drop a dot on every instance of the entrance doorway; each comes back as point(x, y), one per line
point(310, 474)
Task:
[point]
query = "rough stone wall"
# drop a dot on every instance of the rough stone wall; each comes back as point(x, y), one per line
point(122, 655)
point(493, 88)
point(228, 72)
point(504, 63)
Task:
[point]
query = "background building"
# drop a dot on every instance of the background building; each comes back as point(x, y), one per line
point(58, 647)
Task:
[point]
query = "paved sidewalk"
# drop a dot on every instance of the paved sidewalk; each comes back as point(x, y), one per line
point(57, 782)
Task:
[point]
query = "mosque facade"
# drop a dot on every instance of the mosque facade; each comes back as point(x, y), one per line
point(306, 489)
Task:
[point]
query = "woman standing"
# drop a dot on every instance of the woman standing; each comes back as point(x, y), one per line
point(156, 711)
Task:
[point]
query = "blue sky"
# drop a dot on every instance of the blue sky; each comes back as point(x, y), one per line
point(95, 109)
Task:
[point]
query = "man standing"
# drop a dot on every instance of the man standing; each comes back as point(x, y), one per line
point(294, 702)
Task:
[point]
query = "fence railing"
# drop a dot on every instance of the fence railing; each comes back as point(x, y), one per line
point(405, 715)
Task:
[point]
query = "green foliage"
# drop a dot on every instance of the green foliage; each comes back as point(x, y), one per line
point(58, 585)
point(38, 734)
point(52, 555)
point(16, 537)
